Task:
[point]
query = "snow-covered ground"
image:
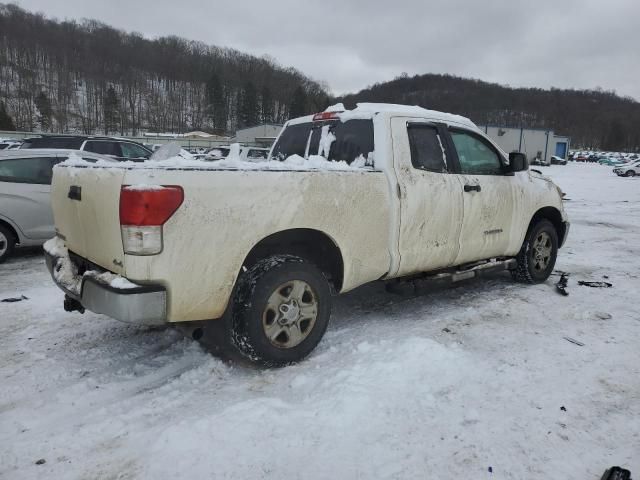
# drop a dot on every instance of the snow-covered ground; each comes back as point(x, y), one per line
point(471, 382)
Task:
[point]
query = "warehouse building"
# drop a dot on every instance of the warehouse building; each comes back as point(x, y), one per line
point(536, 143)
point(263, 135)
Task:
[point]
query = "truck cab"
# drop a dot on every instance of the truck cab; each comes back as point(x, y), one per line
point(346, 197)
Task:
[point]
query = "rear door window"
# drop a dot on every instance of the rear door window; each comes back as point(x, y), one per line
point(427, 148)
point(103, 147)
point(27, 170)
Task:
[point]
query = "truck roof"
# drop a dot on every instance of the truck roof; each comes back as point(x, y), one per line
point(368, 110)
point(52, 152)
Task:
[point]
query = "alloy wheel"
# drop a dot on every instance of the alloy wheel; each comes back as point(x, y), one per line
point(541, 251)
point(290, 314)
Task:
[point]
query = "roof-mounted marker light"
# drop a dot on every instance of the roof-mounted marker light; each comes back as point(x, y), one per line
point(326, 116)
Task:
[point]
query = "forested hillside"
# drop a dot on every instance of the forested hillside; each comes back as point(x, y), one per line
point(593, 119)
point(90, 78)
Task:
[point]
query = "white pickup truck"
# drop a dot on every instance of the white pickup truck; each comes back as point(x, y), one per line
point(380, 192)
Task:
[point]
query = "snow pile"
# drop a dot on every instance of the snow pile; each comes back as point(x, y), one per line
point(326, 140)
point(64, 272)
point(366, 111)
point(171, 150)
point(338, 107)
point(448, 383)
point(141, 187)
point(75, 160)
point(111, 279)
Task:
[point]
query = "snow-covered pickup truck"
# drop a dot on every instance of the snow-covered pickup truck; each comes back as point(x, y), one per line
point(380, 192)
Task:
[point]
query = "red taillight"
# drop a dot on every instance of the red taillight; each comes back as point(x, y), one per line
point(326, 116)
point(151, 206)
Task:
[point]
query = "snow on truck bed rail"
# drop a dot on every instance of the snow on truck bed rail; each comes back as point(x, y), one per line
point(184, 160)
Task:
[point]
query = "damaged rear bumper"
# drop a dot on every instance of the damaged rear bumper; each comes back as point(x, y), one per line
point(140, 304)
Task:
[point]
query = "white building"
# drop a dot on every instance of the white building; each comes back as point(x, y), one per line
point(535, 143)
point(264, 134)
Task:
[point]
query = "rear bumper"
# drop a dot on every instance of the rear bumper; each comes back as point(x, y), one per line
point(143, 304)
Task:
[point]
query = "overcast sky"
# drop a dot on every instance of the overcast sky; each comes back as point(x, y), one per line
point(350, 44)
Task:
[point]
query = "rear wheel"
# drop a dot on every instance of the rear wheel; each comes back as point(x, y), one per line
point(7, 243)
point(281, 310)
point(538, 254)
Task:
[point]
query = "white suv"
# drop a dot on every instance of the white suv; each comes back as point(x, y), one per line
point(630, 169)
point(118, 148)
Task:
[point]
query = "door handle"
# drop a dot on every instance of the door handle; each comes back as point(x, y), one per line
point(471, 188)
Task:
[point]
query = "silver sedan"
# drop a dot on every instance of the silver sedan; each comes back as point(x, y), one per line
point(25, 186)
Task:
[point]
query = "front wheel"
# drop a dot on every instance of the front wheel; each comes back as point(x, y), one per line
point(630, 173)
point(538, 254)
point(281, 310)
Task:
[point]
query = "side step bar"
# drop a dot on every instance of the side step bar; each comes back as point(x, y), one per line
point(418, 284)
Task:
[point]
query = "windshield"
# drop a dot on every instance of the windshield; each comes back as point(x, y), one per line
point(335, 140)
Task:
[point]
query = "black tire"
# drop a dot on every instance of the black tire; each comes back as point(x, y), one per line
point(630, 173)
point(7, 243)
point(254, 313)
point(531, 268)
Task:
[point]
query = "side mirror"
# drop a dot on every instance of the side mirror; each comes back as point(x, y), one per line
point(518, 162)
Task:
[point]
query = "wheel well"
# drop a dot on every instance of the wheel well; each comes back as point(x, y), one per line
point(12, 230)
point(312, 245)
point(553, 215)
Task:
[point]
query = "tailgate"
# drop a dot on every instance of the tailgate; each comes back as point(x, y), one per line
point(86, 204)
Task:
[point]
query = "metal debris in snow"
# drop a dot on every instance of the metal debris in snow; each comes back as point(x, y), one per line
point(14, 299)
point(595, 284)
point(561, 286)
point(572, 340)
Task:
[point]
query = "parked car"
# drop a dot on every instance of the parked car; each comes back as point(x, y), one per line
point(611, 161)
point(555, 160)
point(630, 169)
point(426, 197)
point(118, 148)
point(25, 207)
point(9, 145)
point(218, 153)
point(254, 154)
point(541, 162)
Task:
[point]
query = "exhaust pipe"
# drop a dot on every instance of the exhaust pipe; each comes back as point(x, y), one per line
point(72, 305)
point(193, 330)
